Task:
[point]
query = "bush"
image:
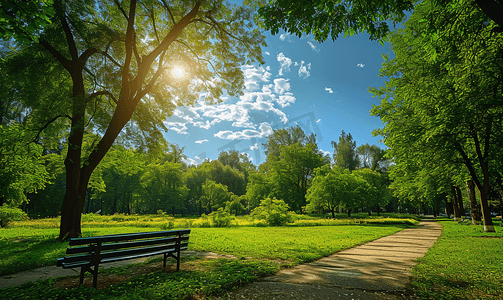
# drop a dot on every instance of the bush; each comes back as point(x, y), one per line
point(203, 222)
point(221, 218)
point(9, 214)
point(274, 212)
point(169, 224)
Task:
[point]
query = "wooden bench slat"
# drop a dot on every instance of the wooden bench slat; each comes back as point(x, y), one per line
point(115, 246)
point(126, 236)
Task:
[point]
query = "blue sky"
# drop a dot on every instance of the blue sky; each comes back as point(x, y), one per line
point(321, 87)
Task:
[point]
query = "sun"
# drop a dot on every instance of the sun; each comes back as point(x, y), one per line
point(178, 72)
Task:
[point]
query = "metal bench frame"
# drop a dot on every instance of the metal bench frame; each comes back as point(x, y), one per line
point(87, 253)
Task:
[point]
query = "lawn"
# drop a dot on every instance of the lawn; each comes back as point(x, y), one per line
point(261, 252)
point(464, 263)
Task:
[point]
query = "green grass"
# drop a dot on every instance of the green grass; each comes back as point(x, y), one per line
point(293, 244)
point(261, 252)
point(210, 277)
point(464, 263)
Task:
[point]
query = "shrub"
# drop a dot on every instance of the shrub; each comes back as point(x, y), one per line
point(221, 218)
point(9, 214)
point(203, 221)
point(169, 224)
point(274, 212)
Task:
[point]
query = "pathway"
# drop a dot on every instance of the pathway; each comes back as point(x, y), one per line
point(376, 270)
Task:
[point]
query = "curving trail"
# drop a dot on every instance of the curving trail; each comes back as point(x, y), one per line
point(376, 270)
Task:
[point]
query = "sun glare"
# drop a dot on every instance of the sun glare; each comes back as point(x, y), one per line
point(178, 72)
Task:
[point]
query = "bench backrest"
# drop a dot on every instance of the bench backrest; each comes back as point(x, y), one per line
point(124, 246)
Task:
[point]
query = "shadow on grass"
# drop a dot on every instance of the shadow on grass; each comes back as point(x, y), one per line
point(26, 254)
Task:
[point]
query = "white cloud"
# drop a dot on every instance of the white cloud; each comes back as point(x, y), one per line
point(326, 152)
point(252, 115)
point(303, 70)
point(207, 124)
point(265, 130)
point(180, 128)
point(318, 121)
point(254, 147)
point(360, 65)
point(284, 63)
point(267, 53)
point(286, 99)
point(281, 85)
point(285, 36)
point(193, 161)
point(313, 46)
point(330, 91)
point(254, 77)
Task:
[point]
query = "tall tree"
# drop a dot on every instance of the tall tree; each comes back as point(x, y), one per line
point(345, 152)
point(444, 95)
point(123, 63)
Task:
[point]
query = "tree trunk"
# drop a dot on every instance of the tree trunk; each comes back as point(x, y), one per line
point(488, 221)
point(474, 207)
point(333, 213)
point(455, 206)
point(448, 206)
point(349, 213)
point(378, 210)
point(460, 202)
point(71, 211)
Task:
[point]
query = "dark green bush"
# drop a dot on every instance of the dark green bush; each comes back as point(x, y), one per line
point(9, 214)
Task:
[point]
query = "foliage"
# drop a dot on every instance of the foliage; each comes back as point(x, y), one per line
point(345, 155)
point(338, 188)
point(221, 218)
point(441, 106)
point(464, 263)
point(21, 20)
point(274, 212)
point(9, 214)
point(22, 168)
point(329, 19)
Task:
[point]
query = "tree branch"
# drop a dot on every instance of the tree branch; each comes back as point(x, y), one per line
point(121, 9)
point(61, 59)
point(69, 39)
point(45, 126)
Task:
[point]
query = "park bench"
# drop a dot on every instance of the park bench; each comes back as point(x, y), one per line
point(89, 252)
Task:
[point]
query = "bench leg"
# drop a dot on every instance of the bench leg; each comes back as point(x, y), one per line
point(82, 272)
point(95, 276)
point(165, 257)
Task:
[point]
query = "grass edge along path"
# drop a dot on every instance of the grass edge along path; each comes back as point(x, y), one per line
point(464, 263)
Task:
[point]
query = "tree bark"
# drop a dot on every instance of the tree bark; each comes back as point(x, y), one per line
point(448, 206)
point(486, 215)
point(460, 202)
point(455, 205)
point(474, 207)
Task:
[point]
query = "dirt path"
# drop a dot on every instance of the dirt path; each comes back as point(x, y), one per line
point(376, 270)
